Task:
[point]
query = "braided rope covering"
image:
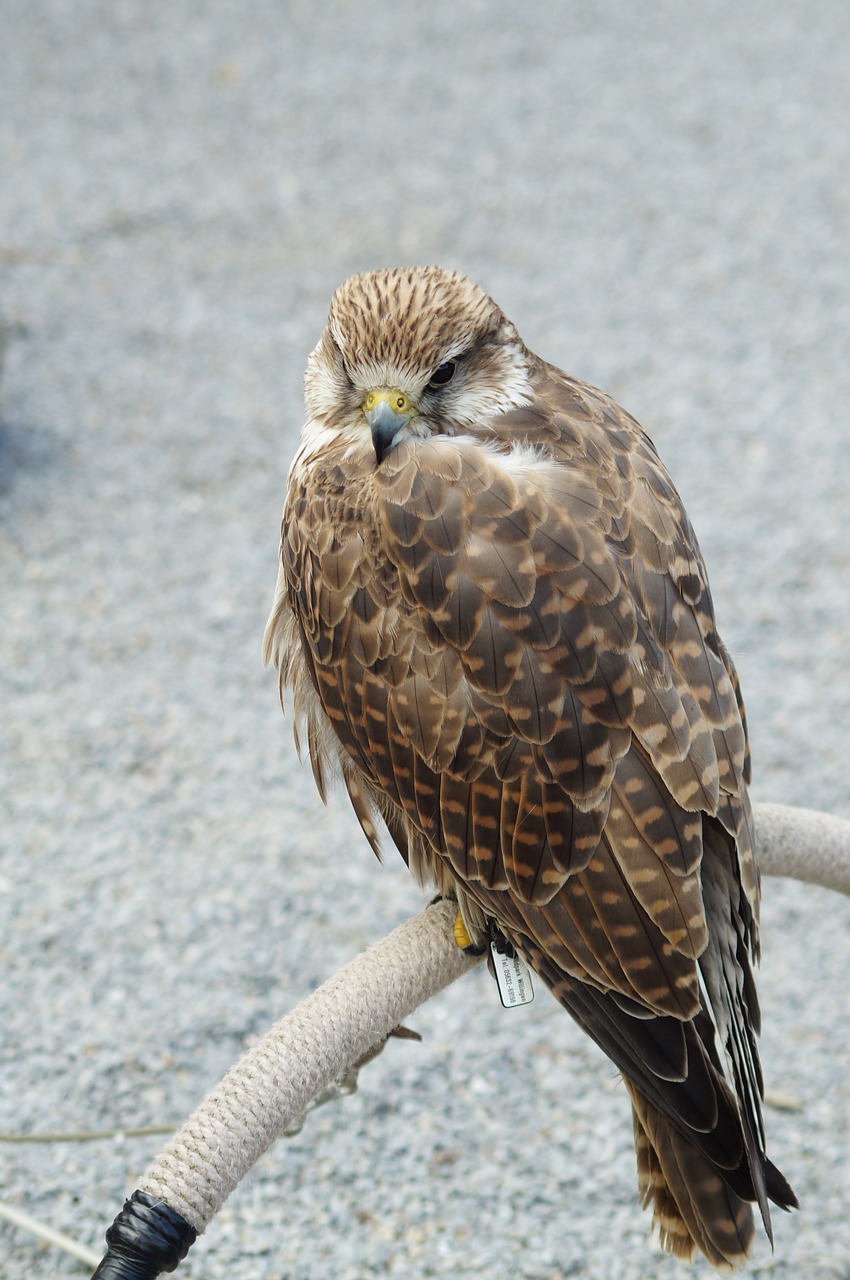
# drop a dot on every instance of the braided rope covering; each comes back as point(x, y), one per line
point(803, 844)
point(269, 1089)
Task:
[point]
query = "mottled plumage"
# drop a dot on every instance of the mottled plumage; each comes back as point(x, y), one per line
point(495, 620)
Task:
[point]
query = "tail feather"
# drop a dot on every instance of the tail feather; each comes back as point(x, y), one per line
point(692, 1205)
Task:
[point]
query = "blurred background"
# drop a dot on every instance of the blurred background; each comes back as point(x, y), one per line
point(658, 195)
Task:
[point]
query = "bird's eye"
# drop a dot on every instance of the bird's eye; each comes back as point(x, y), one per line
point(443, 374)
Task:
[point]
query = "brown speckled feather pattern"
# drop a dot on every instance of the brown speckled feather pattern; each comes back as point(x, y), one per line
point(503, 637)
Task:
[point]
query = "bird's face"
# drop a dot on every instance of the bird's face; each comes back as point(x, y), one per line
point(410, 353)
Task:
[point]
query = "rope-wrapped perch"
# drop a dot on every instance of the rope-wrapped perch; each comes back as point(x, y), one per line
point(271, 1087)
point(803, 844)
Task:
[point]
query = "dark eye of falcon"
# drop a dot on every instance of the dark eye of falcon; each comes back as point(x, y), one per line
point(443, 374)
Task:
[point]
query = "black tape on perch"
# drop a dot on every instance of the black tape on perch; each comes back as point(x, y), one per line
point(145, 1240)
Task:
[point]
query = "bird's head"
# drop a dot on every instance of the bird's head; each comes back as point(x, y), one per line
point(409, 353)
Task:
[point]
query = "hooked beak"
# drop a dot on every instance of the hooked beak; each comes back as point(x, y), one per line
point(388, 411)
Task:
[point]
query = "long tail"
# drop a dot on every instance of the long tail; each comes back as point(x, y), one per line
point(692, 1206)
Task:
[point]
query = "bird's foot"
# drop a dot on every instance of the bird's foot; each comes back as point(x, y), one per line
point(463, 939)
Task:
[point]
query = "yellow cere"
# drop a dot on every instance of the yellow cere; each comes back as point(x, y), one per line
point(397, 400)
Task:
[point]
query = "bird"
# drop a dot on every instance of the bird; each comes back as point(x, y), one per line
point(495, 623)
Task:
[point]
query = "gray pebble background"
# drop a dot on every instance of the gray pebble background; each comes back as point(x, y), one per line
point(658, 194)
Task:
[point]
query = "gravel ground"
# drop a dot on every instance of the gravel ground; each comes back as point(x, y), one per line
point(658, 195)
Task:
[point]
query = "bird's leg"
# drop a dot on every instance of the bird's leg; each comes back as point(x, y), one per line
point(504, 948)
point(501, 943)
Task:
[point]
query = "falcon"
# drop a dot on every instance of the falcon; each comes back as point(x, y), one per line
point(494, 618)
